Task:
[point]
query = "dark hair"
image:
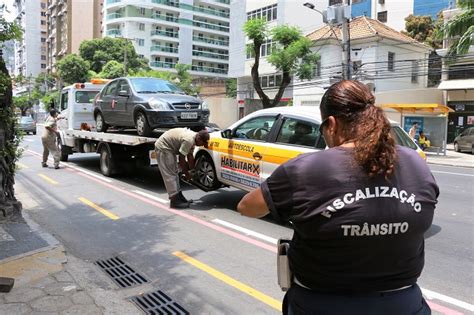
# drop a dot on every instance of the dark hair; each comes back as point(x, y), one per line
point(53, 112)
point(364, 123)
point(414, 123)
point(204, 135)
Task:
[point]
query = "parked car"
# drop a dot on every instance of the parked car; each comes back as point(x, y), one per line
point(246, 153)
point(27, 124)
point(146, 104)
point(465, 141)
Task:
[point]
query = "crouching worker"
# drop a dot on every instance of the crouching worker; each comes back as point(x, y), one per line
point(49, 137)
point(178, 142)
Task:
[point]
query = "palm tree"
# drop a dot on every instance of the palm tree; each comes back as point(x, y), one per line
point(461, 27)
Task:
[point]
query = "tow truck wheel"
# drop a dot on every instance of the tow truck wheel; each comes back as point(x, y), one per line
point(63, 150)
point(107, 164)
point(143, 128)
point(206, 172)
point(100, 124)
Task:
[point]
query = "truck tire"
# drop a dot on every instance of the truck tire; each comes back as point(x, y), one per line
point(141, 123)
point(107, 163)
point(100, 124)
point(206, 172)
point(64, 152)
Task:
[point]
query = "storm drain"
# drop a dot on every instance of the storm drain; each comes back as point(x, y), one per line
point(158, 303)
point(121, 273)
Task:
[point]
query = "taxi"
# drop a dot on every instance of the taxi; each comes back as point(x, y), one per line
point(246, 153)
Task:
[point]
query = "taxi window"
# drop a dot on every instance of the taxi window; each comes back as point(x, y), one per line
point(85, 96)
point(256, 129)
point(402, 138)
point(298, 132)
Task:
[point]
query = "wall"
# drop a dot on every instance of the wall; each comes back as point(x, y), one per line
point(412, 96)
point(397, 12)
point(362, 7)
point(82, 24)
point(32, 35)
point(460, 95)
point(224, 111)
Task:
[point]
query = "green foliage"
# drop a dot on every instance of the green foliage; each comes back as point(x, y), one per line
point(10, 30)
point(23, 103)
point(111, 70)
point(231, 88)
point(155, 74)
point(424, 29)
point(50, 100)
point(256, 30)
point(73, 68)
point(181, 78)
point(98, 52)
point(461, 27)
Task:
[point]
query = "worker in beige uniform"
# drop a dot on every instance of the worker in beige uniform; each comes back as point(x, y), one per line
point(49, 137)
point(178, 142)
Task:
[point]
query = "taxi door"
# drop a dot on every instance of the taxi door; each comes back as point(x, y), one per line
point(240, 158)
point(294, 136)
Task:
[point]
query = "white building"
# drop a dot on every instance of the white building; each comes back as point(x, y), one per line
point(385, 59)
point(167, 32)
point(277, 12)
point(30, 52)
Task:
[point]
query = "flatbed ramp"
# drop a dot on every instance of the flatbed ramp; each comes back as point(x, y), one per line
point(117, 138)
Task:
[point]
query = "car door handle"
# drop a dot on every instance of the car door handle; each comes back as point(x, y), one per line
point(257, 156)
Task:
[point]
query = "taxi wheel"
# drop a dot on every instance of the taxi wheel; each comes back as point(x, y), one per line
point(206, 172)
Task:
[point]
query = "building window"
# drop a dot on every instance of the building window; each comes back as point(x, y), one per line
point(249, 51)
point(382, 16)
point(141, 26)
point(266, 48)
point(356, 65)
point(142, 11)
point(43, 66)
point(43, 40)
point(317, 69)
point(268, 13)
point(43, 6)
point(141, 42)
point(43, 57)
point(43, 22)
point(391, 61)
point(334, 2)
point(414, 71)
point(43, 13)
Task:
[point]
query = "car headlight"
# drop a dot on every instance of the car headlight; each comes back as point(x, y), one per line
point(204, 105)
point(157, 104)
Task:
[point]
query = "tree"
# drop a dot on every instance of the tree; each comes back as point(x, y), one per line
point(424, 29)
point(291, 55)
point(111, 70)
point(231, 88)
point(184, 80)
point(73, 68)
point(50, 100)
point(461, 28)
point(9, 135)
point(99, 51)
point(23, 103)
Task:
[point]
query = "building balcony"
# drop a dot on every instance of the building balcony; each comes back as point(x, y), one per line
point(211, 55)
point(189, 7)
point(166, 49)
point(210, 26)
point(165, 33)
point(209, 69)
point(113, 16)
point(114, 32)
point(112, 1)
point(211, 41)
point(160, 64)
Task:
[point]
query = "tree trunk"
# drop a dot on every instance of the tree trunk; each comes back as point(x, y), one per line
point(284, 83)
point(8, 202)
point(255, 77)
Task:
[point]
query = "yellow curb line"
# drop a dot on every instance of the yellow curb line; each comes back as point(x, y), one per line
point(49, 180)
point(21, 165)
point(107, 213)
point(230, 281)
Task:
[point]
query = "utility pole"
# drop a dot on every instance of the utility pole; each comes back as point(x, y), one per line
point(346, 41)
point(125, 61)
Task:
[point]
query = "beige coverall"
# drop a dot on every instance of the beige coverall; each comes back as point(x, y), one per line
point(172, 143)
point(49, 141)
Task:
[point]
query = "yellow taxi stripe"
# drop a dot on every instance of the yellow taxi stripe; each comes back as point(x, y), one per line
point(107, 213)
point(49, 180)
point(230, 281)
point(21, 165)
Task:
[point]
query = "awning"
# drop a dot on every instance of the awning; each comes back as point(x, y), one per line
point(467, 84)
point(432, 109)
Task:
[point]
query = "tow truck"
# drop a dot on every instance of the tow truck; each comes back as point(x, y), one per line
point(77, 132)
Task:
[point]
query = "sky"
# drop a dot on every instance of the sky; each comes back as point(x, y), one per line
point(9, 15)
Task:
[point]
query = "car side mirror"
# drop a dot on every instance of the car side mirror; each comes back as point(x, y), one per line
point(123, 93)
point(226, 134)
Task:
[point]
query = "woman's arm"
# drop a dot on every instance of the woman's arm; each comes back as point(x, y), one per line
point(253, 204)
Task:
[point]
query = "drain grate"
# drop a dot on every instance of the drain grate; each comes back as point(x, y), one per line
point(158, 303)
point(121, 273)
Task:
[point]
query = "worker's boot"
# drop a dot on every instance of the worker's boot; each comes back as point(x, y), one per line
point(182, 198)
point(177, 203)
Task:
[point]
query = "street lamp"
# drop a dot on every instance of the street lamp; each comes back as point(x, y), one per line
point(313, 7)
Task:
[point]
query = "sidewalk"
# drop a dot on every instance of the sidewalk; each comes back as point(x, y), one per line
point(48, 280)
point(452, 158)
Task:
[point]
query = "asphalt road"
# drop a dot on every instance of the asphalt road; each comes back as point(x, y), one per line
point(210, 259)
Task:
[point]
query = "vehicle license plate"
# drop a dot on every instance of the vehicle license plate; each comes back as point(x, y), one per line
point(192, 115)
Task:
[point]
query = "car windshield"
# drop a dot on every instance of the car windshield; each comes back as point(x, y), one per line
point(150, 85)
point(85, 96)
point(26, 120)
point(402, 138)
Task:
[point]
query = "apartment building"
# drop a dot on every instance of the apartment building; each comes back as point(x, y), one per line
point(30, 52)
point(68, 24)
point(167, 32)
point(393, 13)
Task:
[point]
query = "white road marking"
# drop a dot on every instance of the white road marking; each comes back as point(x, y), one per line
point(441, 172)
point(246, 231)
point(428, 293)
point(4, 236)
point(29, 140)
point(433, 295)
point(151, 196)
